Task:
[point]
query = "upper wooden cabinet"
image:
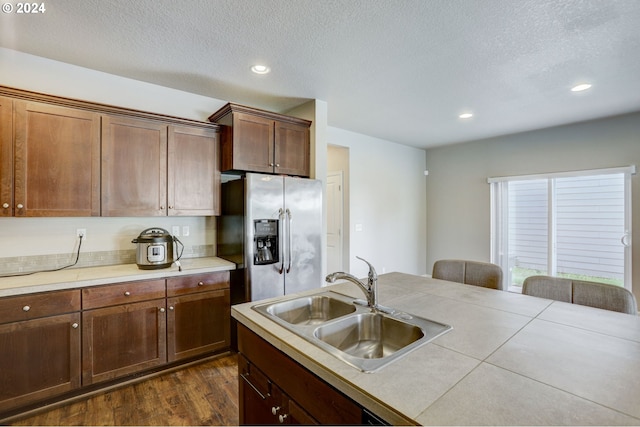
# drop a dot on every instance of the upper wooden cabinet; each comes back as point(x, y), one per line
point(62, 157)
point(193, 179)
point(260, 141)
point(56, 161)
point(6, 156)
point(153, 169)
point(134, 167)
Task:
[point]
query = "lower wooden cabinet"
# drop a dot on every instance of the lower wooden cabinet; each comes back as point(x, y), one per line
point(39, 359)
point(122, 340)
point(197, 324)
point(56, 343)
point(274, 389)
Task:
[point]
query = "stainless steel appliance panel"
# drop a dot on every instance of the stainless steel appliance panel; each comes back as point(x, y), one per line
point(264, 200)
point(303, 225)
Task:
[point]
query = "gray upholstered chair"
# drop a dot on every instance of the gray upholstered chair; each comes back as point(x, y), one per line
point(593, 294)
point(474, 273)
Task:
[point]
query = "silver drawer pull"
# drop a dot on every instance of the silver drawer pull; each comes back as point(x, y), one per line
point(26, 308)
point(200, 283)
point(127, 293)
point(75, 326)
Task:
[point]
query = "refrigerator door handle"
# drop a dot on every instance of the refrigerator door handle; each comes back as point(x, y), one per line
point(281, 242)
point(289, 242)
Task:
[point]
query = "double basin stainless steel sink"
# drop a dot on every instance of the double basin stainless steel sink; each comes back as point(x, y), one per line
point(365, 339)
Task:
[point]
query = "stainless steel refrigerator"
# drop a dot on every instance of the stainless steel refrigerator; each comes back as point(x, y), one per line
point(271, 228)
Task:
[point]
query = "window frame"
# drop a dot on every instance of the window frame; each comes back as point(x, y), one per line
point(499, 235)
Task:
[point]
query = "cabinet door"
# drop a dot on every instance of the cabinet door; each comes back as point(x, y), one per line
point(134, 167)
point(198, 324)
point(6, 156)
point(256, 403)
point(252, 143)
point(194, 172)
point(292, 149)
point(57, 166)
point(122, 340)
point(39, 359)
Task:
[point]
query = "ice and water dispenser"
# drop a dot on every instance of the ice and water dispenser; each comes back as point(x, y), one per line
point(265, 250)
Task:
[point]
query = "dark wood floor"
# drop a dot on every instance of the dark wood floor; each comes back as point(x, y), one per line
point(202, 394)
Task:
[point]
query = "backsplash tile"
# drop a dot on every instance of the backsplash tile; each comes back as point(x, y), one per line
point(28, 264)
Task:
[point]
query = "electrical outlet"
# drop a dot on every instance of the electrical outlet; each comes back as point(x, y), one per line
point(175, 230)
point(81, 232)
point(185, 230)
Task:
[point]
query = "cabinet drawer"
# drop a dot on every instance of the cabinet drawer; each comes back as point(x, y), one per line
point(254, 377)
point(197, 283)
point(32, 306)
point(123, 293)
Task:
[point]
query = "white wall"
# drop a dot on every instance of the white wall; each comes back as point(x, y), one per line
point(458, 214)
point(387, 188)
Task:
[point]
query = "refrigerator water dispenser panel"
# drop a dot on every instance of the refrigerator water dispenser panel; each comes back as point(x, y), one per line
point(266, 250)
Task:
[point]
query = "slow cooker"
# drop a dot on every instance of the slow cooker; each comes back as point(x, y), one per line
point(155, 249)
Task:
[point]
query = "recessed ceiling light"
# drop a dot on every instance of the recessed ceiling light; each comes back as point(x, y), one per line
point(260, 69)
point(466, 115)
point(580, 87)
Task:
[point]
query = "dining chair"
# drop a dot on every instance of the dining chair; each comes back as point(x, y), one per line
point(582, 292)
point(475, 273)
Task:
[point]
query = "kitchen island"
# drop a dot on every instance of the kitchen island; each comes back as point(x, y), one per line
point(510, 359)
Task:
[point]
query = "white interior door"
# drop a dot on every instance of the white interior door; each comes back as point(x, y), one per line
point(334, 221)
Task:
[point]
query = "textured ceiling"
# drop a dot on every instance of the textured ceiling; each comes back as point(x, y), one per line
point(399, 70)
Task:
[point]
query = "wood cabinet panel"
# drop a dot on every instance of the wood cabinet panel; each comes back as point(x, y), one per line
point(255, 140)
point(292, 152)
point(32, 306)
point(198, 324)
point(122, 340)
point(252, 143)
point(193, 172)
point(134, 167)
point(321, 401)
point(6, 156)
point(197, 283)
point(39, 359)
point(122, 293)
point(56, 158)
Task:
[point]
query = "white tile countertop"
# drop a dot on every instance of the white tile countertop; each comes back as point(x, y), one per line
point(93, 276)
point(510, 359)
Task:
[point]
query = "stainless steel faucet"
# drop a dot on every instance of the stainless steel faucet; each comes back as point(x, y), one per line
point(370, 289)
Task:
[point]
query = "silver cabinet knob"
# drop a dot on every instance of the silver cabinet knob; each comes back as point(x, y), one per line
point(5, 205)
point(19, 206)
point(171, 307)
point(275, 409)
point(200, 283)
point(277, 165)
point(162, 310)
point(282, 418)
point(127, 293)
point(74, 325)
point(26, 308)
point(161, 207)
